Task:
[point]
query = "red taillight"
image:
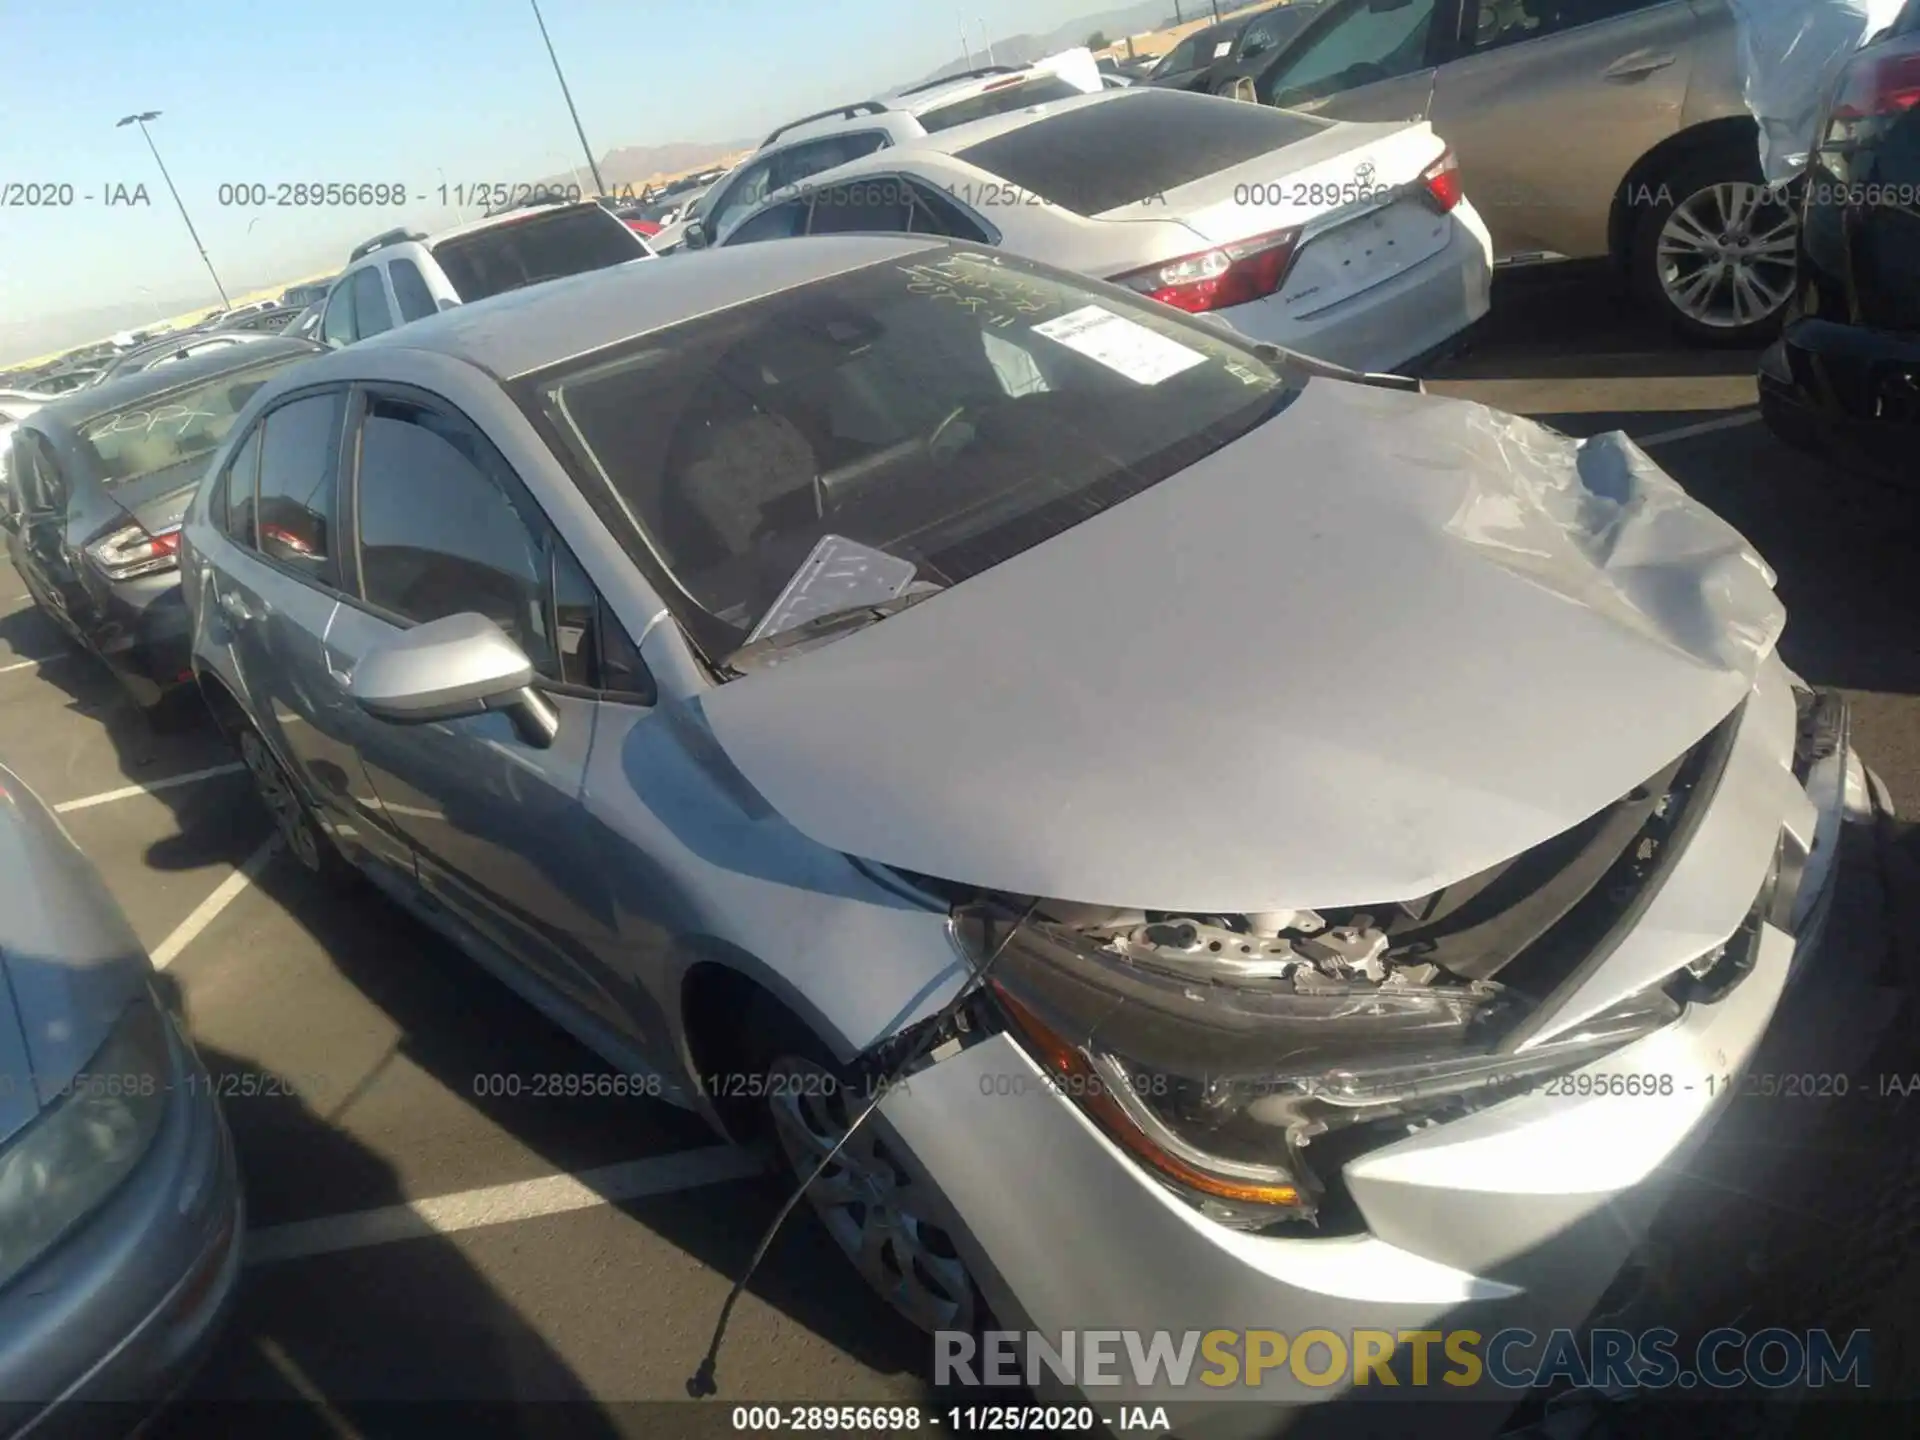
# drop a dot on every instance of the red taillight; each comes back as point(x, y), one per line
point(1879, 85)
point(1442, 179)
point(1217, 279)
point(165, 543)
point(1004, 84)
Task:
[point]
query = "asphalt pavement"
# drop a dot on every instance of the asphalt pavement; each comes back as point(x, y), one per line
point(419, 1236)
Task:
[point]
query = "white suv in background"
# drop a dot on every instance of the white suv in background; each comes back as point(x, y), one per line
point(403, 275)
point(805, 147)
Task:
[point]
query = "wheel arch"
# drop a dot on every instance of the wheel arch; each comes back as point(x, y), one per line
point(730, 1014)
point(1724, 133)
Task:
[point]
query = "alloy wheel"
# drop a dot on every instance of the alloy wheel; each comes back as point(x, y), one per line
point(1726, 254)
point(870, 1205)
point(277, 794)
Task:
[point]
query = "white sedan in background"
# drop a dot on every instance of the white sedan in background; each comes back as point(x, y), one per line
point(1348, 242)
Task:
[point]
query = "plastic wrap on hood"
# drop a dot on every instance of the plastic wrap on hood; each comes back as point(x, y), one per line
point(1598, 522)
point(1790, 54)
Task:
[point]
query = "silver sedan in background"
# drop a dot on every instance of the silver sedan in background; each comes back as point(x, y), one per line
point(1226, 788)
point(120, 1208)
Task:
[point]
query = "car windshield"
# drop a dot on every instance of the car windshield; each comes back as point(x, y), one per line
point(541, 245)
point(168, 429)
point(919, 421)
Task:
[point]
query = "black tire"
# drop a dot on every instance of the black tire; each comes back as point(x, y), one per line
point(310, 846)
point(921, 1275)
point(1657, 269)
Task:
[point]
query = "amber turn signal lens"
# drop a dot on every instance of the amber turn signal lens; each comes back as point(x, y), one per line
point(1081, 1081)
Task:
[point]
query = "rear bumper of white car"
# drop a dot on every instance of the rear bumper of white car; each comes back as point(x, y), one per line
point(1387, 325)
point(1518, 1215)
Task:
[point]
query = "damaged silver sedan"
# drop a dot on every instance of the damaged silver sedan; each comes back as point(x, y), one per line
point(1160, 833)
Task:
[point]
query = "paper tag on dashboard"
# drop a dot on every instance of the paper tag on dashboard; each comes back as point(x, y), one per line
point(1134, 350)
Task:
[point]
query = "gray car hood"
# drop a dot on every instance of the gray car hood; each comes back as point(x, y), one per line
point(1375, 646)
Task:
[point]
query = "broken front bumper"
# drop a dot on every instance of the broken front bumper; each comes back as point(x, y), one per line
point(1519, 1214)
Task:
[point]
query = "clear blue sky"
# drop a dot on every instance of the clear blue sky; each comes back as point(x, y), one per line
point(386, 90)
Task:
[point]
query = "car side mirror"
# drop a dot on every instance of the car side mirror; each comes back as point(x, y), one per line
point(445, 669)
point(694, 237)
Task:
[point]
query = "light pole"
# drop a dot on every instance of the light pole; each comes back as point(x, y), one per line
point(599, 185)
point(141, 120)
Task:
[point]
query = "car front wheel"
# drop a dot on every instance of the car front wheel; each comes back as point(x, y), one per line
point(874, 1209)
point(1715, 250)
point(304, 839)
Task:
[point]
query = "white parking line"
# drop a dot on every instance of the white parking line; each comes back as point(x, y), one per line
point(128, 792)
point(500, 1204)
point(204, 914)
point(14, 665)
point(1705, 427)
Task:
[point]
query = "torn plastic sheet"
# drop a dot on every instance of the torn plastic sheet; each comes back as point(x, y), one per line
point(1790, 52)
point(1599, 523)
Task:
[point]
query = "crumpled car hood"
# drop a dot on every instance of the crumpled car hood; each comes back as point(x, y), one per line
point(1375, 646)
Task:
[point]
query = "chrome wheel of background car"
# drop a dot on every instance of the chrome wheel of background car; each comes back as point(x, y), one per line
point(870, 1205)
point(277, 794)
point(1726, 255)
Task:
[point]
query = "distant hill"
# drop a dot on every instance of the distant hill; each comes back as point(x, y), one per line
point(640, 164)
point(1149, 15)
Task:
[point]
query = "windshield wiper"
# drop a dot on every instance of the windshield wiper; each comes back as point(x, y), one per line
point(848, 617)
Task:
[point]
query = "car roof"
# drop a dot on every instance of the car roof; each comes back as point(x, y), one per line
point(116, 394)
point(529, 329)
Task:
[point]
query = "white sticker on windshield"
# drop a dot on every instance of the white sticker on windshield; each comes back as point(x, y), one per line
point(1222, 48)
point(837, 574)
point(1141, 354)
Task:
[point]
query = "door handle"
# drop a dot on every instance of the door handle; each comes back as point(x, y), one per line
point(234, 608)
point(1632, 67)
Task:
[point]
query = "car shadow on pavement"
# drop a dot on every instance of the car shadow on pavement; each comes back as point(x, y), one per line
point(209, 828)
point(454, 1021)
point(1577, 321)
point(320, 1346)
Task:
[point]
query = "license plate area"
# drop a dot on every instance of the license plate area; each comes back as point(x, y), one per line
point(1358, 254)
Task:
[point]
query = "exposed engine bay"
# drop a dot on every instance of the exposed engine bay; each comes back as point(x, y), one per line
point(1220, 1047)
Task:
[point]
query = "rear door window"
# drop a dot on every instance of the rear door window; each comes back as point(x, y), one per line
point(543, 244)
point(371, 313)
point(298, 463)
point(410, 290)
point(1133, 145)
point(336, 326)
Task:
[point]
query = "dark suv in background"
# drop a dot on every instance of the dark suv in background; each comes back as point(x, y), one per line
point(1845, 377)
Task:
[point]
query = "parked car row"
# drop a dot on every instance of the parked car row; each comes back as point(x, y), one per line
point(629, 629)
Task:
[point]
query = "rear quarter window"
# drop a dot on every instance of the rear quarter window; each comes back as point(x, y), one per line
point(1141, 142)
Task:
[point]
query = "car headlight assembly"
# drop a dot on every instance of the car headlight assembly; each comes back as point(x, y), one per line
point(1218, 1086)
point(87, 1140)
point(133, 550)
